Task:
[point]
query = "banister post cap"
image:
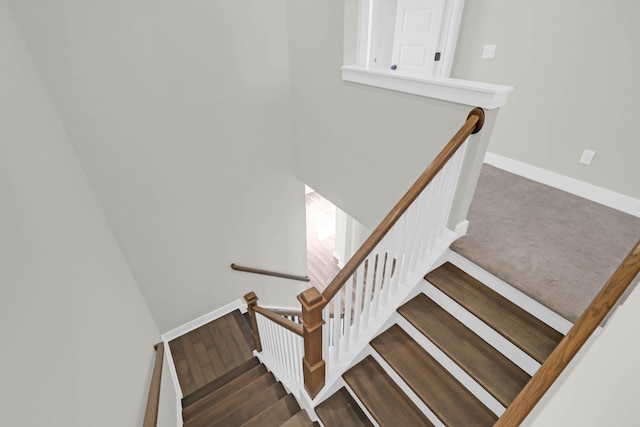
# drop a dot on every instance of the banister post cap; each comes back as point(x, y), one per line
point(310, 297)
point(251, 298)
point(479, 112)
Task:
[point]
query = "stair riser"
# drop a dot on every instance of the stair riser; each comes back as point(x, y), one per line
point(500, 343)
point(467, 381)
point(380, 322)
point(406, 389)
point(361, 405)
point(382, 397)
point(520, 299)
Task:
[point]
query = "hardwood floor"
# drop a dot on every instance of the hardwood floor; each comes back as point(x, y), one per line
point(210, 351)
point(207, 353)
point(321, 263)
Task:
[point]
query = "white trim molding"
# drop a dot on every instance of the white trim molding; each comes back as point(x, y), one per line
point(369, 34)
point(204, 319)
point(477, 94)
point(582, 189)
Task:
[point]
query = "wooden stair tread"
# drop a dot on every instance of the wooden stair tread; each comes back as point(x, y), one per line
point(449, 400)
point(341, 410)
point(224, 391)
point(208, 352)
point(301, 419)
point(249, 409)
point(209, 414)
point(490, 368)
point(275, 414)
point(245, 328)
point(382, 397)
point(220, 382)
point(520, 327)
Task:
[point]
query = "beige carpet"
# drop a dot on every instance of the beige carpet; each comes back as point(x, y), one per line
point(557, 248)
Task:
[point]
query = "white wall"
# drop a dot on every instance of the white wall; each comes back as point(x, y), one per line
point(574, 65)
point(180, 114)
point(77, 336)
point(359, 146)
point(600, 387)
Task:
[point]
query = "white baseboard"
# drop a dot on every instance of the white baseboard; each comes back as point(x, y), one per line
point(570, 185)
point(168, 360)
point(203, 320)
point(517, 297)
point(461, 228)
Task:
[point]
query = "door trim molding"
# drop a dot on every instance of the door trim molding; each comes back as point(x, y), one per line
point(448, 40)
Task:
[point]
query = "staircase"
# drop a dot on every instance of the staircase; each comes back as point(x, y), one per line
point(428, 368)
point(401, 383)
point(447, 351)
point(224, 385)
point(248, 396)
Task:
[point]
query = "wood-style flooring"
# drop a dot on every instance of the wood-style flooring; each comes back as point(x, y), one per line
point(207, 353)
point(210, 351)
point(321, 263)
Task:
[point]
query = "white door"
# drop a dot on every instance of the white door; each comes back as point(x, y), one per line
point(417, 35)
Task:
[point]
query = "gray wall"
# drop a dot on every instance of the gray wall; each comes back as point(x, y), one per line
point(179, 112)
point(574, 65)
point(77, 336)
point(600, 386)
point(359, 146)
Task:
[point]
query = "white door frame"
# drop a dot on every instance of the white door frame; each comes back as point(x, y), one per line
point(448, 40)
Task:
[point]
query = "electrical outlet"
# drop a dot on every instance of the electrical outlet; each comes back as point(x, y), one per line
point(587, 157)
point(489, 51)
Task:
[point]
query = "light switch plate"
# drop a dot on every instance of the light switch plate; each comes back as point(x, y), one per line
point(489, 51)
point(587, 157)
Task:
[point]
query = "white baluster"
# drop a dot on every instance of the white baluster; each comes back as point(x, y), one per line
point(335, 327)
point(348, 307)
point(358, 274)
point(368, 289)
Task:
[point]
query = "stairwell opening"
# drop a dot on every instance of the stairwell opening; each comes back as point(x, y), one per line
point(333, 236)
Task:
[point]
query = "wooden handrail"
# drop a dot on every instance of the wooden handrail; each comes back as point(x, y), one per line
point(573, 341)
point(474, 123)
point(286, 311)
point(269, 273)
point(294, 327)
point(153, 400)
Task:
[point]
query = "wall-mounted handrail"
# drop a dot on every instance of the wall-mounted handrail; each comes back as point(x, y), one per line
point(573, 341)
point(153, 400)
point(269, 273)
point(473, 124)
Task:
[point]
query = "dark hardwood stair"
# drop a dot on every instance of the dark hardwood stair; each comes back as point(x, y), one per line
point(502, 378)
point(449, 400)
point(382, 397)
point(301, 419)
point(210, 351)
point(520, 327)
point(224, 385)
point(341, 410)
point(446, 397)
point(248, 396)
point(218, 382)
point(216, 391)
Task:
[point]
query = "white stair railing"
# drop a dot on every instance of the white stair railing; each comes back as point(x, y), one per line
point(338, 324)
point(282, 352)
point(390, 271)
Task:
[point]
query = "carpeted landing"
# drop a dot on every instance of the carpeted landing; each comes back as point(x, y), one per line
point(557, 248)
